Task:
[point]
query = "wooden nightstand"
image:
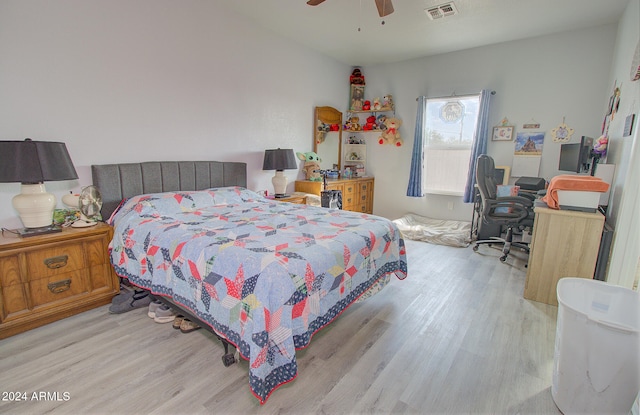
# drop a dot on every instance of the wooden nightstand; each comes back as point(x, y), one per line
point(49, 277)
point(300, 200)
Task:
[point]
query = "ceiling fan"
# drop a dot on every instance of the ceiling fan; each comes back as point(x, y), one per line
point(385, 7)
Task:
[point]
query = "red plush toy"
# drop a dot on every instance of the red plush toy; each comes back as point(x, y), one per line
point(371, 123)
point(366, 106)
point(356, 77)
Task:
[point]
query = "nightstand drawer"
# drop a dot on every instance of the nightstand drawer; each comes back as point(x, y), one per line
point(10, 271)
point(55, 261)
point(56, 288)
point(53, 276)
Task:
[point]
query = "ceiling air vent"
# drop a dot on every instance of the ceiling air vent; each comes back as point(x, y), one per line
point(442, 10)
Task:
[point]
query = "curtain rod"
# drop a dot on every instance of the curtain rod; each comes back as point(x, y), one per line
point(453, 96)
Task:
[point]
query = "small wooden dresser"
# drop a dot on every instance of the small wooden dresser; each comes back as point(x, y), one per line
point(357, 193)
point(49, 277)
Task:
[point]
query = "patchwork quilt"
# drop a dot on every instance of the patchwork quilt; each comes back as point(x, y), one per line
point(264, 275)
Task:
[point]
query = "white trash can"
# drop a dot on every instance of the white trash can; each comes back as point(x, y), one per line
point(596, 362)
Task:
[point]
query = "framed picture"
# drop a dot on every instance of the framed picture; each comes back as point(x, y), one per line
point(356, 97)
point(502, 133)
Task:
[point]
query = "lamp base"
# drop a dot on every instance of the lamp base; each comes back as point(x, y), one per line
point(279, 181)
point(34, 205)
point(26, 232)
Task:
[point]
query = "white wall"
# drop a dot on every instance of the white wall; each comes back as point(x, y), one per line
point(123, 81)
point(546, 79)
point(624, 152)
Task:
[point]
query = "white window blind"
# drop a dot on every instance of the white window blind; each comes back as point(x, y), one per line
point(449, 132)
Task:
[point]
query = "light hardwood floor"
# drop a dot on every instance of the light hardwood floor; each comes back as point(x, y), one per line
point(456, 336)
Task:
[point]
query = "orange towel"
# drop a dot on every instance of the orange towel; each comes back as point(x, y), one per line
point(572, 182)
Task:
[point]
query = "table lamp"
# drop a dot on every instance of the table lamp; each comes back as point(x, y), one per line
point(279, 160)
point(32, 163)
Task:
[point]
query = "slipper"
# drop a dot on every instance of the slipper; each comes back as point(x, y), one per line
point(138, 300)
point(177, 321)
point(187, 326)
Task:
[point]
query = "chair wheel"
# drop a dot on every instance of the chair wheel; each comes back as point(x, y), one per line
point(475, 248)
point(503, 258)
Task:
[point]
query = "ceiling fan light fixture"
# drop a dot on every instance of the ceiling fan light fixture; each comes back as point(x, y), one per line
point(385, 7)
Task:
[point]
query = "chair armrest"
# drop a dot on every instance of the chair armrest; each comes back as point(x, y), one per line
point(528, 195)
point(524, 201)
point(516, 209)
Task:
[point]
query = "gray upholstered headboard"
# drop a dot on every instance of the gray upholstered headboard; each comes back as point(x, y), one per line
point(120, 181)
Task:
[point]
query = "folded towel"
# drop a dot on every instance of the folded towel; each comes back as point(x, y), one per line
point(572, 182)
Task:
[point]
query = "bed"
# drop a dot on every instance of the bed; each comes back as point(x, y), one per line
point(261, 274)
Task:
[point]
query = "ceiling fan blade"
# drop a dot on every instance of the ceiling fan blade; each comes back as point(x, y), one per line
point(314, 2)
point(385, 7)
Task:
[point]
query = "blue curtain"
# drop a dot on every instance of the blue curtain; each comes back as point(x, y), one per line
point(479, 145)
point(415, 175)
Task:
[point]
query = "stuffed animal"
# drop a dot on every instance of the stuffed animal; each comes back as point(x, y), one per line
point(376, 104)
point(391, 135)
point(380, 125)
point(371, 123)
point(321, 132)
point(600, 147)
point(356, 77)
point(388, 102)
point(366, 106)
point(354, 124)
point(311, 166)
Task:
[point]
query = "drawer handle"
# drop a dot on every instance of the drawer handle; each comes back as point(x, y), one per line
point(59, 286)
point(56, 261)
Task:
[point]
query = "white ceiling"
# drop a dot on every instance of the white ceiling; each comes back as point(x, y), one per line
point(332, 27)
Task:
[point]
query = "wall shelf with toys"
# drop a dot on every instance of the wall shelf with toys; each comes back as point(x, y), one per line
point(364, 116)
point(374, 122)
point(355, 156)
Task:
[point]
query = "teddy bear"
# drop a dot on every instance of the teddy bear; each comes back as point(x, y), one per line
point(370, 124)
point(311, 166)
point(321, 132)
point(391, 135)
point(388, 102)
point(354, 124)
point(376, 104)
point(380, 125)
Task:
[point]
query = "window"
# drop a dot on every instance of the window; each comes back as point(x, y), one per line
point(450, 126)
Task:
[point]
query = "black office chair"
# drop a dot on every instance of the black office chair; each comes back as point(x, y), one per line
point(512, 212)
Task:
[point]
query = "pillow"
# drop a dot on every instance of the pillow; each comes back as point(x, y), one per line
point(168, 203)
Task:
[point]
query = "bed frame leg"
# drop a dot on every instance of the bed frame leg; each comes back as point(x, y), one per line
point(228, 359)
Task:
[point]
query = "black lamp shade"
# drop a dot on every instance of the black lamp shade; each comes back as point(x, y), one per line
point(279, 159)
point(31, 162)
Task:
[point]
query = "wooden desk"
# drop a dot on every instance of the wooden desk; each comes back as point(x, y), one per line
point(564, 244)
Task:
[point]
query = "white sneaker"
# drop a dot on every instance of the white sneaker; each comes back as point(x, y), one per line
point(153, 307)
point(164, 314)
